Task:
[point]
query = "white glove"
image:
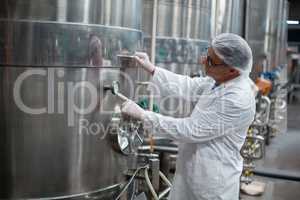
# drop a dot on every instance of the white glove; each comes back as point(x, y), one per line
point(144, 61)
point(132, 109)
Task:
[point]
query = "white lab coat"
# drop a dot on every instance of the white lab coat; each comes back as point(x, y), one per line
point(209, 163)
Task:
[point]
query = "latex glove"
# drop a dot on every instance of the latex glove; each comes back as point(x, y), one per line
point(133, 110)
point(144, 61)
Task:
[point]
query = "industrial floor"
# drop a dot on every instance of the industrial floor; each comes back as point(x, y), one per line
point(283, 154)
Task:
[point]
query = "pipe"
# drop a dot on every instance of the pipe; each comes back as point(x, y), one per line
point(163, 193)
point(160, 148)
point(154, 24)
point(130, 181)
point(154, 194)
point(165, 179)
point(268, 101)
point(244, 28)
point(270, 174)
point(150, 185)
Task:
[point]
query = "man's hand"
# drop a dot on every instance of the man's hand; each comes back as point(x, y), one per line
point(132, 109)
point(143, 59)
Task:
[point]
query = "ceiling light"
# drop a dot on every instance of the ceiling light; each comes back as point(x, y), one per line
point(292, 21)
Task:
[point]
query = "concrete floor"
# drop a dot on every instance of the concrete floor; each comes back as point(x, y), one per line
point(282, 154)
point(277, 190)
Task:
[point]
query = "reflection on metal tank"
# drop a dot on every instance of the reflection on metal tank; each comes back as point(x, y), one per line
point(276, 44)
point(255, 28)
point(55, 58)
point(183, 34)
point(228, 16)
point(179, 18)
point(276, 32)
point(266, 33)
point(123, 13)
point(283, 33)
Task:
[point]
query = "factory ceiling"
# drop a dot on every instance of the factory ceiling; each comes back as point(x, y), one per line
point(294, 13)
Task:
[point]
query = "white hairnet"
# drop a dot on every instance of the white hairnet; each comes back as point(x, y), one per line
point(234, 51)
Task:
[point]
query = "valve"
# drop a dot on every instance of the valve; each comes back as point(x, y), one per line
point(125, 133)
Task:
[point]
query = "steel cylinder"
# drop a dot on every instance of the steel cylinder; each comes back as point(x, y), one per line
point(56, 57)
point(183, 33)
point(265, 31)
point(228, 16)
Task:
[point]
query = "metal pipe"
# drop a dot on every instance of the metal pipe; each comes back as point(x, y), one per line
point(160, 148)
point(153, 39)
point(165, 179)
point(130, 180)
point(244, 28)
point(278, 175)
point(268, 101)
point(164, 193)
point(150, 185)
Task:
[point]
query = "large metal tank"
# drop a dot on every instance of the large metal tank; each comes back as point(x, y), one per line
point(255, 29)
point(182, 36)
point(266, 33)
point(276, 46)
point(184, 30)
point(275, 32)
point(228, 16)
point(179, 18)
point(183, 33)
point(55, 59)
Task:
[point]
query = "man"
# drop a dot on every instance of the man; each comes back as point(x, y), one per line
point(209, 163)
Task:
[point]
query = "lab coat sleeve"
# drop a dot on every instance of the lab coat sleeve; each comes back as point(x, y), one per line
point(167, 83)
point(205, 125)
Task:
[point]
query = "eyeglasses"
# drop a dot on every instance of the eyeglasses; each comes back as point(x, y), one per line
point(211, 64)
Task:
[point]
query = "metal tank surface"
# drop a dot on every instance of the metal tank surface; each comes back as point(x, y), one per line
point(276, 25)
point(184, 30)
point(276, 45)
point(255, 29)
point(55, 59)
point(266, 32)
point(182, 35)
point(228, 16)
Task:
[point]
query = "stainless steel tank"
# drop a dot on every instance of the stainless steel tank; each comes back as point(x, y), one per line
point(266, 33)
point(182, 36)
point(255, 29)
point(276, 46)
point(276, 25)
point(228, 16)
point(184, 30)
point(283, 34)
point(179, 18)
point(55, 59)
point(266, 30)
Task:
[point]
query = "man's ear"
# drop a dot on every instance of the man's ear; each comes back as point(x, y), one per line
point(234, 71)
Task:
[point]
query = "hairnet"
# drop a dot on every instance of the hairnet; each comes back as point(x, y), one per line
point(234, 51)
